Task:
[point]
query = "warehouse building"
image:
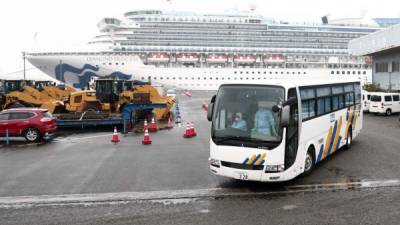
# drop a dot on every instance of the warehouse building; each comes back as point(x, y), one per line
point(384, 48)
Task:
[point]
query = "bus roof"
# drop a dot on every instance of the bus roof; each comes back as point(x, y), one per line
point(292, 82)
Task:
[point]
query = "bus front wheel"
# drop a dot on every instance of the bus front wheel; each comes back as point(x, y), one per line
point(309, 162)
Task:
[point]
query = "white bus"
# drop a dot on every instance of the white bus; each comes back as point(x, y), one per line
point(258, 134)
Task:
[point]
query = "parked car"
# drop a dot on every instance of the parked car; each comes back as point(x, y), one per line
point(31, 123)
point(385, 103)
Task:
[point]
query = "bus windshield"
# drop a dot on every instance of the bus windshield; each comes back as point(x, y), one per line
point(243, 116)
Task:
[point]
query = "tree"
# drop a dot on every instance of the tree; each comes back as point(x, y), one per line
point(372, 88)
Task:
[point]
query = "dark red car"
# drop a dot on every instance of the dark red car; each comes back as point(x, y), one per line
point(31, 123)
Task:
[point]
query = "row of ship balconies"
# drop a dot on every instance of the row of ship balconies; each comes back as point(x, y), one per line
point(162, 57)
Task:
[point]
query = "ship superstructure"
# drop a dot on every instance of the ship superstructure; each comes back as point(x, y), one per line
point(200, 51)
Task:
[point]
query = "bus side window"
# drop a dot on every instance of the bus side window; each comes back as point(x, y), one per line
point(323, 100)
point(357, 93)
point(337, 97)
point(307, 103)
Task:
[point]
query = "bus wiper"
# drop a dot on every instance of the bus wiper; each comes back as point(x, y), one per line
point(231, 138)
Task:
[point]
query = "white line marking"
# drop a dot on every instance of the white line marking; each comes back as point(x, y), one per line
point(112, 198)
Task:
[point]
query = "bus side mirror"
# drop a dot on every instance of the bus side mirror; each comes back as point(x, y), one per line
point(210, 111)
point(285, 116)
point(211, 108)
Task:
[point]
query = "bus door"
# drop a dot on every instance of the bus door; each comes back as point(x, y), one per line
point(292, 131)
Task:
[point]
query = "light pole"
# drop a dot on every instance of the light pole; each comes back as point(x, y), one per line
point(23, 58)
point(390, 65)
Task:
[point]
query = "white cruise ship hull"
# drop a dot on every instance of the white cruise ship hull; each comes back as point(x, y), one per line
point(79, 68)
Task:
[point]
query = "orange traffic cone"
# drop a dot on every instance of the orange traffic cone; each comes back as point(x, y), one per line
point(146, 138)
point(193, 130)
point(169, 124)
point(145, 126)
point(115, 138)
point(187, 133)
point(153, 126)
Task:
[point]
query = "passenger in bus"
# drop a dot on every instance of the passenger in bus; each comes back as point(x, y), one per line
point(239, 122)
point(264, 121)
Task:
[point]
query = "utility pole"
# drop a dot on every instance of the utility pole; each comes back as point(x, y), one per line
point(23, 57)
point(390, 65)
point(60, 78)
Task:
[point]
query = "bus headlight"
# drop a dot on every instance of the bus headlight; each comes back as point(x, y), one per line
point(214, 162)
point(274, 168)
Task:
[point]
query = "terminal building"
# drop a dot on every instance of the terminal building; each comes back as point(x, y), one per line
point(384, 48)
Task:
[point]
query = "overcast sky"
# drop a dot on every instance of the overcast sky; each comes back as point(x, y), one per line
point(33, 24)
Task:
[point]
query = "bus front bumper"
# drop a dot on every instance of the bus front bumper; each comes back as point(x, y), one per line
point(255, 175)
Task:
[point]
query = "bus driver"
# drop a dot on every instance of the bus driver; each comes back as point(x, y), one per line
point(239, 122)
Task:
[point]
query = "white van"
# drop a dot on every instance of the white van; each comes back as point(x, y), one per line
point(366, 97)
point(385, 103)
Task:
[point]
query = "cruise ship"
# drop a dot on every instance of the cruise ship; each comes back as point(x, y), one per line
point(200, 51)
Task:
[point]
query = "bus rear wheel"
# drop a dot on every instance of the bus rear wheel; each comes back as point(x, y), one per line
point(309, 162)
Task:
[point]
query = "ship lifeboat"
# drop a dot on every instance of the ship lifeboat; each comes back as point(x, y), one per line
point(158, 57)
point(217, 58)
point(243, 58)
point(274, 59)
point(187, 58)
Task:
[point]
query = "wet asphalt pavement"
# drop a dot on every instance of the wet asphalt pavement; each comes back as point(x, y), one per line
point(87, 163)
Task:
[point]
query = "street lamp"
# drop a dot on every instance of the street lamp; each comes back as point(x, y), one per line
point(23, 58)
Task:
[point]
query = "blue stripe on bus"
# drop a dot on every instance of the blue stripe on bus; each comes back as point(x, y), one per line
point(262, 162)
point(333, 138)
point(245, 161)
point(255, 160)
point(320, 153)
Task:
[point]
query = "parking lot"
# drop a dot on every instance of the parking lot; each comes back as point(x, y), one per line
point(86, 165)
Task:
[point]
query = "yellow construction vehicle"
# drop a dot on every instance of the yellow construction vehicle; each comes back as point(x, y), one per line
point(19, 93)
point(2, 95)
point(153, 96)
point(81, 101)
point(56, 92)
point(114, 94)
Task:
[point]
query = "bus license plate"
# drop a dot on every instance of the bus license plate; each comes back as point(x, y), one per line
point(242, 176)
